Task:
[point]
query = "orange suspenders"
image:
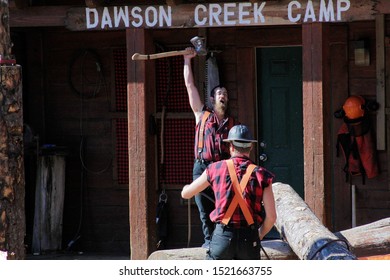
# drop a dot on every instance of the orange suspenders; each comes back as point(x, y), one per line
point(201, 131)
point(230, 123)
point(238, 197)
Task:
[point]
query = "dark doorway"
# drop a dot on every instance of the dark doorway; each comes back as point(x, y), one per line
point(280, 114)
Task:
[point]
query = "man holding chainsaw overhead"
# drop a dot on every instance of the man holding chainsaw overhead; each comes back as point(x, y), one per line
point(212, 127)
point(241, 190)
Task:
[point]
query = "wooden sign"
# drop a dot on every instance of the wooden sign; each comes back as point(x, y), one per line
point(254, 13)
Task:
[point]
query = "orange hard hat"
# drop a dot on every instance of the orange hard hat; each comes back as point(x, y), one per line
point(354, 107)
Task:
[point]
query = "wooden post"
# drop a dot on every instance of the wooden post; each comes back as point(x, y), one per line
point(140, 105)
point(381, 82)
point(12, 217)
point(303, 231)
point(139, 226)
point(315, 92)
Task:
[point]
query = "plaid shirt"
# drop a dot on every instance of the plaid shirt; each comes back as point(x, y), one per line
point(214, 149)
point(219, 179)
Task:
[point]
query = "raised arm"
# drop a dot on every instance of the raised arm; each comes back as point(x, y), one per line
point(193, 93)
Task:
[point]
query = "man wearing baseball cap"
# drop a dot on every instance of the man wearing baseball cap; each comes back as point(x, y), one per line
point(243, 191)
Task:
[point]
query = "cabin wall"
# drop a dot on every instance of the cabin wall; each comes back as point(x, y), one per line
point(372, 195)
point(70, 103)
point(96, 210)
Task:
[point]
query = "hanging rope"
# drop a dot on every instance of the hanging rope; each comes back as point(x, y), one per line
point(162, 208)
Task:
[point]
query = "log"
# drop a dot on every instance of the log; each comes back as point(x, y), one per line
point(370, 239)
point(303, 231)
point(274, 250)
point(49, 202)
point(305, 237)
point(3, 255)
point(197, 253)
point(277, 250)
point(12, 184)
point(376, 257)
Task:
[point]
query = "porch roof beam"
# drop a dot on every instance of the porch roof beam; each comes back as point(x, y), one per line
point(38, 16)
point(274, 12)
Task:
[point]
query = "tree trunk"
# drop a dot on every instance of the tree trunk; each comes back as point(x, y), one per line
point(303, 231)
point(49, 201)
point(370, 239)
point(12, 216)
point(274, 250)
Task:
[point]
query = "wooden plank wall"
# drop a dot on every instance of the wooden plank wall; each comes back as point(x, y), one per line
point(373, 197)
point(96, 208)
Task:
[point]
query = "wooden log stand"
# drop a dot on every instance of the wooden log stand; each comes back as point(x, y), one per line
point(370, 239)
point(303, 231)
point(275, 250)
point(304, 236)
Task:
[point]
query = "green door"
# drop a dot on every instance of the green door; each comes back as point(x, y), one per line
point(280, 114)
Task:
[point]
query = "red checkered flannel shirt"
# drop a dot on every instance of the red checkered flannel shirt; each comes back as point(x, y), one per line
point(219, 179)
point(214, 149)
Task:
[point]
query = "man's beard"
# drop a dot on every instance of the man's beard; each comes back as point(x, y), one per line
point(220, 107)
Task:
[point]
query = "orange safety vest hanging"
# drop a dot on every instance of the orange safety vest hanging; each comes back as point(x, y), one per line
point(355, 138)
point(359, 151)
point(238, 199)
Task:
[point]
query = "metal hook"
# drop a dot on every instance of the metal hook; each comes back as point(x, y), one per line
point(163, 197)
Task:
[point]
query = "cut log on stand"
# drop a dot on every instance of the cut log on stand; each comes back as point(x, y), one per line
point(275, 249)
point(303, 231)
point(305, 237)
point(370, 239)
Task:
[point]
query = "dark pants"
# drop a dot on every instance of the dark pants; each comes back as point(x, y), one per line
point(234, 244)
point(205, 203)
